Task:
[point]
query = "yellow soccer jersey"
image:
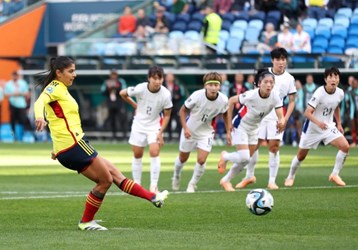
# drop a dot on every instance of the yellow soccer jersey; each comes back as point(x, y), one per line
point(61, 112)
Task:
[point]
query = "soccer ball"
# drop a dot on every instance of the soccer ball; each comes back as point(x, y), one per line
point(259, 201)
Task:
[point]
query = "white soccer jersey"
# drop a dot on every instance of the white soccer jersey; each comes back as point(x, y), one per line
point(284, 85)
point(324, 104)
point(255, 108)
point(203, 111)
point(149, 106)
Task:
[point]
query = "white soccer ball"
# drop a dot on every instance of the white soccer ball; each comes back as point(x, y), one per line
point(259, 201)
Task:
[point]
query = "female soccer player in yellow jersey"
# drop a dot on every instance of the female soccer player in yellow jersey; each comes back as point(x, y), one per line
point(56, 108)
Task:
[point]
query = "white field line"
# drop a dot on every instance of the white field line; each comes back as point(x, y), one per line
point(55, 195)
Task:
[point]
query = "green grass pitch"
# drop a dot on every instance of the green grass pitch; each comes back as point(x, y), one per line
point(41, 203)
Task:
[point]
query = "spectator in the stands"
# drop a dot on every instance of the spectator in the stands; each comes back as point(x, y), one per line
point(161, 24)
point(14, 6)
point(239, 6)
point(289, 8)
point(285, 37)
point(179, 7)
point(127, 23)
point(143, 25)
point(237, 88)
point(211, 28)
point(250, 81)
point(265, 5)
point(222, 6)
point(334, 5)
point(268, 39)
point(316, 8)
point(301, 40)
point(308, 90)
point(17, 90)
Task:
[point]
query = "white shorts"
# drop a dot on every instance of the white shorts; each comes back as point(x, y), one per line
point(188, 145)
point(268, 131)
point(240, 136)
point(312, 140)
point(141, 139)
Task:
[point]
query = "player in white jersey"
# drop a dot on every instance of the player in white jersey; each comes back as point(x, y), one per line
point(285, 85)
point(197, 131)
point(255, 105)
point(320, 127)
point(148, 126)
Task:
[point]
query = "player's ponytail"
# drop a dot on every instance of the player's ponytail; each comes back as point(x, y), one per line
point(56, 63)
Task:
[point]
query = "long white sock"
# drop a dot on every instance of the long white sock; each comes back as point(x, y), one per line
point(250, 168)
point(274, 163)
point(198, 173)
point(234, 171)
point(154, 170)
point(137, 170)
point(295, 164)
point(340, 158)
point(178, 166)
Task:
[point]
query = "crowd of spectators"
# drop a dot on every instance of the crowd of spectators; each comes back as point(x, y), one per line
point(10, 7)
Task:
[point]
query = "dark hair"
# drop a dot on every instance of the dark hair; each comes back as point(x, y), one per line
point(332, 71)
point(56, 63)
point(260, 74)
point(212, 76)
point(278, 53)
point(155, 71)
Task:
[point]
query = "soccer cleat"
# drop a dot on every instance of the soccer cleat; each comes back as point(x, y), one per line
point(246, 182)
point(175, 183)
point(289, 182)
point(272, 186)
point(159, 198)
point(227, 186)
point(222, 163)
point(191, 188)
point(91, 225)
point(336, 179)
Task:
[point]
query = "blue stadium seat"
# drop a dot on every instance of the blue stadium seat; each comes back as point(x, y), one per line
point(353, 30)
point(337, 42)
point(192, 35)
point(318, 50)
point(334, 50)
point(352, 42)
point(325, 22)
point(243, 15)
point(256, 23)
point(197, 16)
point(343, 21)
point(338, 31)
point(195, 25)
point(179, 25)
point(170, 17)
point(229, 17)
point(274, 17)
point(260, 15)
point(97, 49)
point(320, 42)
point(233, 45)
point(241, 24)
point(310, 31)
point(176, 34)
point(345, 11)
point(221, 46)
point(354, 19)
point(323, 31)
point(311, 22)
point(224, 34)
point(238, 33)
point(183, 17)
point(252, 34)
point(226, 25)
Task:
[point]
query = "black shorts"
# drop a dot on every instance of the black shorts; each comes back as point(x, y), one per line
point(79, 157)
